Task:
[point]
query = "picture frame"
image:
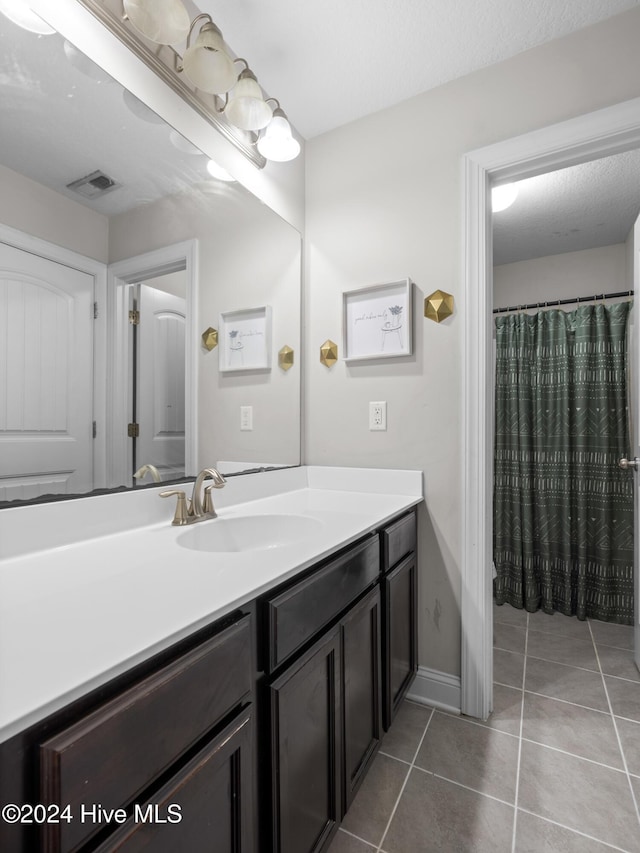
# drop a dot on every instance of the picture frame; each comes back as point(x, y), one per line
point(245, 340)
point(377, 321)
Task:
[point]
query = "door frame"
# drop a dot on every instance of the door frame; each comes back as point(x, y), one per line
point(168, 259)
point(587, 137)
point(98, 270)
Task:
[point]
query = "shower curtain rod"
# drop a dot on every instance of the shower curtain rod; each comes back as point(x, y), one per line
point(554, 302)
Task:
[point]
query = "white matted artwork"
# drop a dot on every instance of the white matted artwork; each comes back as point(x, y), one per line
point(245, 339)
point(377, 321)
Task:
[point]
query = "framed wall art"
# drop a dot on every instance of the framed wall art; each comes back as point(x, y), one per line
point(377, 321)
point(245, 339)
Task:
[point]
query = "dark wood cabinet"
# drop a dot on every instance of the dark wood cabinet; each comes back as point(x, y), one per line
point(306, 743)
point(206, 807)
point(400, 614)
point(325, 708)
point(361, 690)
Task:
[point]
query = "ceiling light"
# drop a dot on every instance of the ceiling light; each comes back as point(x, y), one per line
point(503, 197)
point(20, 13)
point(247, 108)
point(207, 63)
point(277, 142)
point(161, 21)
point(218, 172)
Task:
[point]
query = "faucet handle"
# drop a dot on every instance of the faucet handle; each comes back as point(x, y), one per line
point(182, 513)
point(207, 507)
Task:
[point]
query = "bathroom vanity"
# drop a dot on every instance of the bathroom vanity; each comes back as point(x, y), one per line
point(250, 721)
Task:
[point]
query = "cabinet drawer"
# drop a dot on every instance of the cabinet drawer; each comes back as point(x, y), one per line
point(399, 539)
point(114, 753)
point(296, 615)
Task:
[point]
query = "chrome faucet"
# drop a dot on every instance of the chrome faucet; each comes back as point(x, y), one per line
point(197, 509)
point(148, 469)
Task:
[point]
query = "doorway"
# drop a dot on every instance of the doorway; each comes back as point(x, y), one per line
point(595, 135)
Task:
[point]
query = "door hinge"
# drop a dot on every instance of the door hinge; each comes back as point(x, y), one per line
point(134, 318)
point(133, 430)
point(95, 429)
point(95, 310)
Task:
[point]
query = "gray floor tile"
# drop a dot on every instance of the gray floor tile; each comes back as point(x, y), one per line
point(618, 662)
point(578, 794)
point(403, 738)
point(569, 650)
point(435, 815)
point(472, 755)
point(581, 731)
point(508, 668)
point(610, 634)
point(511, 638)
point(566, 682)
point(345, 843)
point(559, 625)
point(509, 615)
point(630, 739)
point(373, 804)
point(507, 709)
point(536, 835)
point(624, 696)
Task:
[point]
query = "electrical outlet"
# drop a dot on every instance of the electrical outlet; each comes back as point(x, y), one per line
point(378, 415)
point(246, 417)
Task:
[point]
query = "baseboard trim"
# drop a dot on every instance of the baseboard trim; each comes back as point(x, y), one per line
point(435, 688)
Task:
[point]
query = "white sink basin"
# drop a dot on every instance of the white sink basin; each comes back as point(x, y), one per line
point(248, 533)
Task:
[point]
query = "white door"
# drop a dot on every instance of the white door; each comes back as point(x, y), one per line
point(160, 382)
point(46, 370)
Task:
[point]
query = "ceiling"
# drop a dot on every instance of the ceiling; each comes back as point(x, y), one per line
point(334, 61)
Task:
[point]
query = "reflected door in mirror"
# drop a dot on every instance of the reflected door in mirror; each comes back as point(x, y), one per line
point(46, 381)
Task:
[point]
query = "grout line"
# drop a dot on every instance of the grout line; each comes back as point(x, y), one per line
point(571, 829)
point(615, 726)
point(404, 784)
point(462, 785)
point(567, 702)
point(574, 754)
point(357, 837)
point(394, 757)
point(517, 791)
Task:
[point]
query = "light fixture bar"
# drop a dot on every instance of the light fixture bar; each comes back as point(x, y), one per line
point(167, 74)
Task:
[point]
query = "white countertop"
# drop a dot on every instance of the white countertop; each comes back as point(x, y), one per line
point(77, 614)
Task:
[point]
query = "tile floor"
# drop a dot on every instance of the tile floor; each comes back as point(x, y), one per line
point(555, 768)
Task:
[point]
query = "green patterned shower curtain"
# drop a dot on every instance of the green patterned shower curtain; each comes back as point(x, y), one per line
point(563, 509)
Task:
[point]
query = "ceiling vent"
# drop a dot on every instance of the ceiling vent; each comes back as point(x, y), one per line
point(94, 185)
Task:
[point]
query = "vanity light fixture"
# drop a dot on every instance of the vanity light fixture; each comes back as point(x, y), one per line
point(277, 142)
point(19, 11)
point(247, 108)
point(206, 62)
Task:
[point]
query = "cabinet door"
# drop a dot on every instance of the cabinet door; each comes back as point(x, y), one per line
point(207, 807)
point(362, 689)
point(305, 749)
point(400, 635)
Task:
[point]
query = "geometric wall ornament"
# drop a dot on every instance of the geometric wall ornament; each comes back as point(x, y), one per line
point(438, 306)
point(285, 358)
point(210, 338)
point(329, 353)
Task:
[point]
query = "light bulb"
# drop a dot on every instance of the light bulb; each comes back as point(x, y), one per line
point(503, 197)
point(161, 21)
point(207, 64)
point(277, 142)
point(21, 14)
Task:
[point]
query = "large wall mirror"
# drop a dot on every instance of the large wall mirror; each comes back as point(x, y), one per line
point(103, 204)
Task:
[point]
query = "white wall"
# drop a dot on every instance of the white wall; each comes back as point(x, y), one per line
point(248, 257)
point(41, 212)
point(384, 201)
point(584, 273)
